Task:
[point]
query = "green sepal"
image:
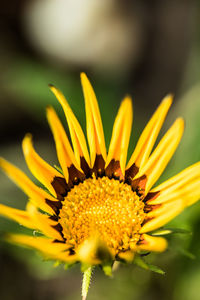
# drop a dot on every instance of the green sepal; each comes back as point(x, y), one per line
point(185, 253)
point(84, 267)
point(144, 265)
point(57, 263)
point(166, 231)
point(107, 268)
point(68, 266)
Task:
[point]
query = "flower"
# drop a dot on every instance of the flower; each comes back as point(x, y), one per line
point(96, 209)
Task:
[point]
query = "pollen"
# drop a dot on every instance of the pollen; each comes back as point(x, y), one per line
point(106, 206)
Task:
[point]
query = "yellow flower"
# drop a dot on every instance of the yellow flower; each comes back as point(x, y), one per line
point(100, 209)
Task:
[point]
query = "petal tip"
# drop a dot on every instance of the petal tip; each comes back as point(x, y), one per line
point(27, 142)
point(50, 85)
point(169, 98)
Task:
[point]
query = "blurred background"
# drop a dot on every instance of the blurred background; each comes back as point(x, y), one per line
point(144, 48)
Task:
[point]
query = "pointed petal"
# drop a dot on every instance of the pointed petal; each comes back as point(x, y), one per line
point(121, 134)
point(149, 135)
point(43, 223)
point(162, 215)
point(95, 132)
point(188, 193)
point(39, 168)
point(152, 243)
point(184, 185)
point(19, 216)
point(48, 247)
point(162, 154)
point(65, 153)
point(175, 194)
point(76, 132)
point(38, 196)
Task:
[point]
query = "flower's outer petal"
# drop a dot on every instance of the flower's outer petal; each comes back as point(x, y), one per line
point(43, 223)
point(76, 132)
point(185, 186)
point(162, 214)
point(174, 195)
point(152, 243)
point(37, 195)
point(65, 153)
point(121, 134)
point(49, 248)
point(20, 216)
point(162, 154)
point(95, 132)
point(149, 135)
point(93, 251)
point(39, 168)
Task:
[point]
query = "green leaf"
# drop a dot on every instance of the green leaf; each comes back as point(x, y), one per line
point(156, 269)
point(144, 265)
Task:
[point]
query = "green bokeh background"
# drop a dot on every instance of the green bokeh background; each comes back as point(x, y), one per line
point(24, 78)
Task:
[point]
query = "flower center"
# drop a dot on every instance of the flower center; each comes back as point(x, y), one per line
point(106, 206)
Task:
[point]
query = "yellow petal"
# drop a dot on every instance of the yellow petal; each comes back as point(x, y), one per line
point(93, 251)
point(43, 223)
point(121, 134)
point(39, 168)
point(149, 135)
point(19, 216)
point(127, 256)
point(152, 243)
point(77, 135)
point(188, 193)
point(162, 215)
point(48, 247)
point(95, 132)
point(162, 154)
point(182, 185)
point(64, 151)
point(37, 195)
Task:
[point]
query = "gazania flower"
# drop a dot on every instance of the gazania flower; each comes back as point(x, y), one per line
point(97, 209)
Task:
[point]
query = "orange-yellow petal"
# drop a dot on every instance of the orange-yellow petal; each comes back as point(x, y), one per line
point(149, 135)
point(162, 215)
point(76, 132)
point(152, 243)
point(162, 154)
point(121, 134)
point(20, 216)
point(95, 132)
point(43, 223)
point(39, 168)
point(64, 151)
point(48, 247)
point(185, 186)
point(93, 251)
point(127, 256)
point(37, 195)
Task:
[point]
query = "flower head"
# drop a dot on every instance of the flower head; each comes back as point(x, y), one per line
point(98, 209)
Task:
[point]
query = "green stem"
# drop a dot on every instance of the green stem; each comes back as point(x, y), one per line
point(86, 282)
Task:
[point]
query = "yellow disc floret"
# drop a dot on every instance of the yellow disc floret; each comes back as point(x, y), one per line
point(106, 206)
